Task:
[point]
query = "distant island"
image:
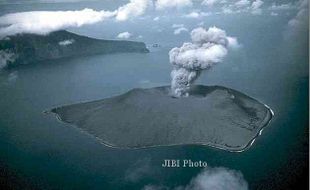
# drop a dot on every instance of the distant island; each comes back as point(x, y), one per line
point(212, 115)
point(29, 48)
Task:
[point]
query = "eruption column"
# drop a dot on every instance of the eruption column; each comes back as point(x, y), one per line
point(207, 48)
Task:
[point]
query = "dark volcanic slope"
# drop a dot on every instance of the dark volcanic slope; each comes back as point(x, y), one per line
point(27, 48)
point(211, 115)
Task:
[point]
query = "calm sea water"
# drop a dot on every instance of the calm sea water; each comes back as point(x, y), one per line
point(53, 155)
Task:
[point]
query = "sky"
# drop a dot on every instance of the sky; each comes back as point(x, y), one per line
point(44, 22)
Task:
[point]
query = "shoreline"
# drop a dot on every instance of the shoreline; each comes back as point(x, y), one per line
point(267, 119)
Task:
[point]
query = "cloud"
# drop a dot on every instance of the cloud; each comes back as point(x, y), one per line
point(132, 9)
point(227, 10)
point(164, 4)
point(12, 77)
point(219, 178)
point(237, 7)
point(300, 22)
point(177, 25)
point(154, 187)
point(8, 78)
point(274, 14)
point(156, 18)
point(58, 1)
point(193, 14)
point(242, 3)
point(196, 14)
point(139, 170)
point(243, 6)
point(286, 6)
point(180, 30)
point(66, 42)
point(200, 23)
point(257, 4)
point(207, 48)
point(39, 1)
point(256, 7)
point(124, 35)
point(44, 22)
point(233, 43)
point(209, 3)
point(6, 58)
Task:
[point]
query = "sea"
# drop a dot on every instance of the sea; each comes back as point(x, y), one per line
point(271, 65)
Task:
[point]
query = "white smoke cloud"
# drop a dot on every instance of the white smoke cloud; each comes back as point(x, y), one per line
point(211, 179)
point(44, 22)
point(164, 4)
point(124, 35)
point(207, 48)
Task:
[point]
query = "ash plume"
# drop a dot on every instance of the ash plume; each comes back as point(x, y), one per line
point(207, 48)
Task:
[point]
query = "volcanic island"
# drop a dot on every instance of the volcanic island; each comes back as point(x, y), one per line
point(214, 116)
